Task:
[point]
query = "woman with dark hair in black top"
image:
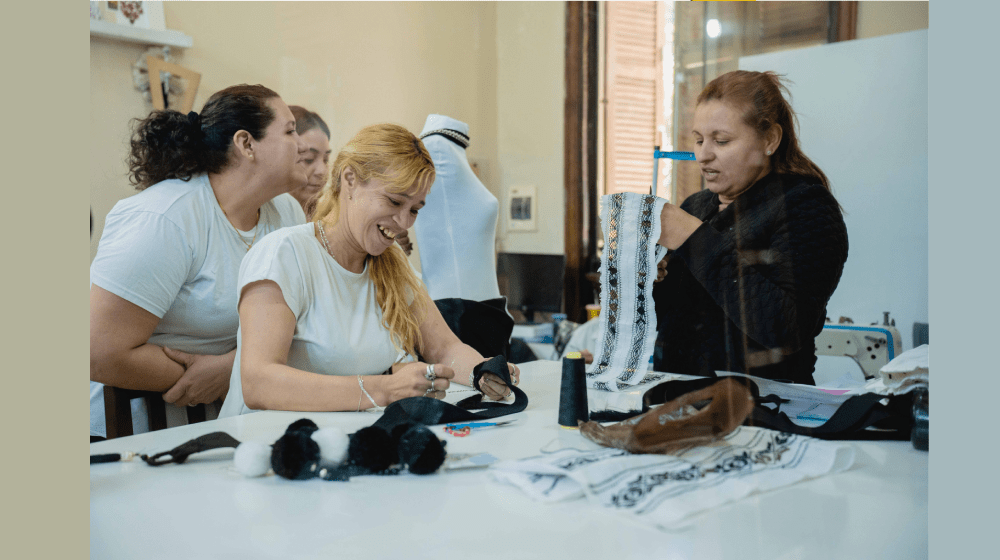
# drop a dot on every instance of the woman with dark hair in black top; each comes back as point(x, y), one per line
point(755, 257)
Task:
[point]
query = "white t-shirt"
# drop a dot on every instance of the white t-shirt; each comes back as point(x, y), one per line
point(171, 250)
point(338, 322)
point(584, 337)
point(456, 230)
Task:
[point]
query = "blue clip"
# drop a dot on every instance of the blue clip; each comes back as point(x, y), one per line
point(689, 156)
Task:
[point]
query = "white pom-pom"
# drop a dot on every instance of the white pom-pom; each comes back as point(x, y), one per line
point(252, 458)
point(333, 444)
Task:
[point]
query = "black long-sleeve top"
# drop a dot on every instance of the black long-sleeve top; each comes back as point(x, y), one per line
point(747, 291)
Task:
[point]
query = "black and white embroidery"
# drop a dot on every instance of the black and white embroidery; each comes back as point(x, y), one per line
point(663, 489)
point(631, 224)
point(576, 462)
point(639, 488)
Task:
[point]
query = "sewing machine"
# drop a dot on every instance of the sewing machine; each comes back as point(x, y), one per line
point(870, 346)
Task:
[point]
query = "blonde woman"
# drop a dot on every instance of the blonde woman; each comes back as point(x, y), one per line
point(326, 308)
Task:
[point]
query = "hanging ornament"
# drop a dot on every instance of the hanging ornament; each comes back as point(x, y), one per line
point(174, 86)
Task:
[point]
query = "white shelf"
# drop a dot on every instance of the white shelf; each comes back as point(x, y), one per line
point(165, 37)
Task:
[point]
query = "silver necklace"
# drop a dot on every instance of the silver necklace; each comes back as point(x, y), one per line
point(322, 238)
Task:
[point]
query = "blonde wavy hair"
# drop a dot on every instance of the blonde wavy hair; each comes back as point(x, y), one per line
point(393, 155)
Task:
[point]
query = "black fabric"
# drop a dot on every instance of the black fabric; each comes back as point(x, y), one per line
point(851, 421)
point(428, 411)
point(483, 325)
point(747, 292)
point(520, 352)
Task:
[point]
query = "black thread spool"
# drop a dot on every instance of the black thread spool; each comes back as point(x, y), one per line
point(920, 434)
point(573, 391)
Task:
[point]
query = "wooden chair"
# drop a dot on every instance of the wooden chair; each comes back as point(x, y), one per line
point(118, 411)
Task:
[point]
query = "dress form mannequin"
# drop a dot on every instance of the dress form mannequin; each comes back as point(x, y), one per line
point(456, 230)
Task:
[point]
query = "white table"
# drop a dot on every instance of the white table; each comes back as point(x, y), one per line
point(206, 509)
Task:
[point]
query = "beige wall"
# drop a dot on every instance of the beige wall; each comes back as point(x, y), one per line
point(530, 95)
point(497, 67)
point(886, 18)
point(113, 101)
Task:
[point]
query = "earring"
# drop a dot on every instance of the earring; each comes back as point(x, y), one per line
point(769, 152)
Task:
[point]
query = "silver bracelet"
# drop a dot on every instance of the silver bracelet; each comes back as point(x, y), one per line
point(375, 404)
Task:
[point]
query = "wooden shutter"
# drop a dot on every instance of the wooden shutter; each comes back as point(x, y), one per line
point(634, 93)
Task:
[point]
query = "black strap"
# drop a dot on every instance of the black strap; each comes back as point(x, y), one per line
point(179, 454)
point(428, 411)
point(851, 420)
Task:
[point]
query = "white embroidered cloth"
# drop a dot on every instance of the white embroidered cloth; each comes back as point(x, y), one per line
point(663, 490)
point(631, 225)
point(906, 372)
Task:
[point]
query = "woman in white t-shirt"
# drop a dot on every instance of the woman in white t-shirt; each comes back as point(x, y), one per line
point(315, 134)
point(163, 283)
point(326, 308)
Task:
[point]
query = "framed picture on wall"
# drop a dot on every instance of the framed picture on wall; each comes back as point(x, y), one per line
point(145, 15)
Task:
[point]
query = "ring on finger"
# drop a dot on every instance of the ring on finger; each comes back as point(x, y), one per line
point(430, 373)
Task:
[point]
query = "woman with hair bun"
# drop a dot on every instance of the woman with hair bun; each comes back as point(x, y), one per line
point(163, 283)
point(326, 308)
point(756, 255)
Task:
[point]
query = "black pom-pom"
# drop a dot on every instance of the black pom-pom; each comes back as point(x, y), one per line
point(295, 455)
point(303, 424)
point(399, 429)
point(420, 450)
point(372, 448)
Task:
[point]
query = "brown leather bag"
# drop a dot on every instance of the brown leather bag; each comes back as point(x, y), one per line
point(682, 422)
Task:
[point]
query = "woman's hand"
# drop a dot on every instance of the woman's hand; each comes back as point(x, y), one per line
point(412, 380)
point(205, 379)
point(494, 388)
point(676, 226)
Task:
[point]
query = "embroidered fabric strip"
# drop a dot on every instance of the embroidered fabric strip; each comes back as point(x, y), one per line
point(663, 490)
point(627, 332)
